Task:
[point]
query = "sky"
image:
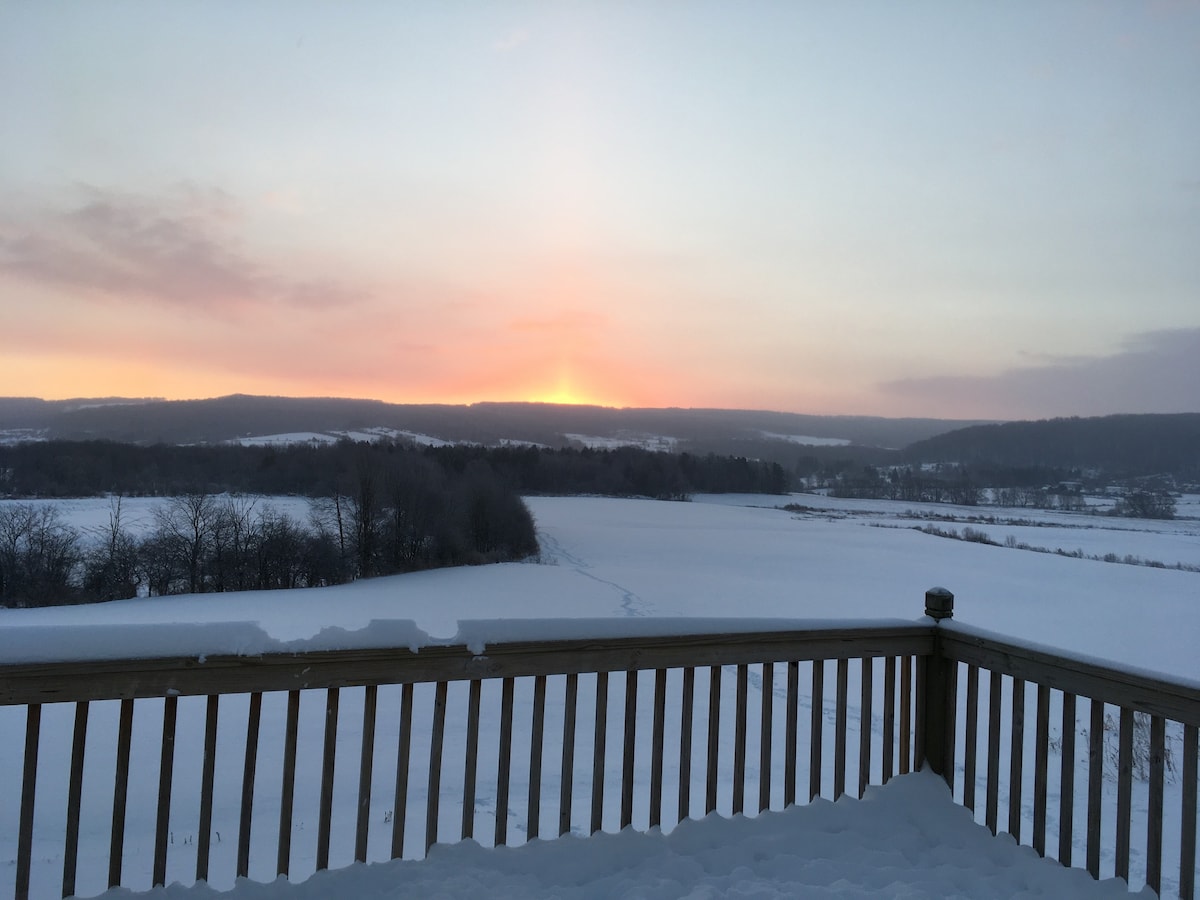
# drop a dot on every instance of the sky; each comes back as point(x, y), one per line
point(946, 209)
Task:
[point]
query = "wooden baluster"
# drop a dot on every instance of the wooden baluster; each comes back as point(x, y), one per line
point(1016, 758)
point(471, 759)
point(534, 811)
point(599, 737)
point(325, 813)
point(366, 765)
point(627, 756)
point(166, 767)
point(248, 770)
point(992, 807)
point(1066, 795)
point(906, 702)
point(1154, 811)
point(74, 799)
point(949, 720)
point(403, 753)
point(889, 718)
point(740, 717)
point(1095, 780)
point(1040, 764)
point(865, 726)
point(1187, 836)
point(33, 728)
point(816, 724)
point(433, 790)
point(839, 729)
point(714, 738)
point(204, 835)
point(116, 848)
point(686, 710)
point(1124, 793)
point(791, 733)
point(764, 736)
point(287, 789)
point(566, 788)
point(656, 747)
point(971, 737)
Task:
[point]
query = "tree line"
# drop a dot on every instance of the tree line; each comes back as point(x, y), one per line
point(375, 509)
point(93, 468)
point(383, 522)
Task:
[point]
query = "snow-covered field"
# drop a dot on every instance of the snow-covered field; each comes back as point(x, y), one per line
point(616, 565)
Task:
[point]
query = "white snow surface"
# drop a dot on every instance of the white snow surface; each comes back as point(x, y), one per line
point(805, 440)
point(906, 839)
point(612, 562)
point(611, 568)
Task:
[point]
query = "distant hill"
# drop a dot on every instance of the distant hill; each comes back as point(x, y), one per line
point(775, 436)
point(1120, 445)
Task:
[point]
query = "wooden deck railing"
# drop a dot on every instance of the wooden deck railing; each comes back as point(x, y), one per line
point(902, 692)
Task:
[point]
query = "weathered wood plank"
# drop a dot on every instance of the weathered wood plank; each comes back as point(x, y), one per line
point(249, 768)
point(74, 799)
point(287, 790)
point(366, 765)
point(166, 767)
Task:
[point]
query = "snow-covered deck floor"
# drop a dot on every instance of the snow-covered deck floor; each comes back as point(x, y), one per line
point(906, 839)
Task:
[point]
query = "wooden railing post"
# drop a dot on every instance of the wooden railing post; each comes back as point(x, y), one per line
point(937, 727)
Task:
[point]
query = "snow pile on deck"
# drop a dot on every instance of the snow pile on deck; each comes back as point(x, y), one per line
point(906, 839)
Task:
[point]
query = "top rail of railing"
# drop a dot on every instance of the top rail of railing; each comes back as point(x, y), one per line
point(122, 679)
point(1149, 692)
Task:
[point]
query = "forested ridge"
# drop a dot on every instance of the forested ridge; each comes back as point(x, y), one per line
point(1121, 446)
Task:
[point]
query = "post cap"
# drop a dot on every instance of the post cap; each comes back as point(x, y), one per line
point(939, 603)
